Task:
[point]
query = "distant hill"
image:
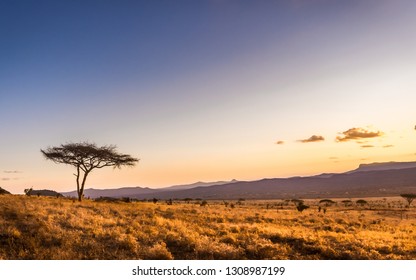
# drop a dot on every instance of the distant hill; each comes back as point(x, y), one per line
point(44, 193)
point(376, 179)
point(3, 191)
point(199, 184)
point(377, 166)
point(139, 191)
point(120, 192)
point(357, 184)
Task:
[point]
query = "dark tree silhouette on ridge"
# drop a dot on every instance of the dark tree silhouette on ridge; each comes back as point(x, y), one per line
point(409, 197)
point(87, 157)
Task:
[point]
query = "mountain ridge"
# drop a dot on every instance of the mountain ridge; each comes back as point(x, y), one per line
point(374, 179)
point(129, 191)
point(378, 166)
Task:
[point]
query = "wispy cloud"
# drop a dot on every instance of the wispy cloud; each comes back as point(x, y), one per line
point(367, 146)
point(313, 138)
point(11, 172)
point(8, 179)
point(333, 158)
point(388, 146)
point(280, 142)
point(358, 133)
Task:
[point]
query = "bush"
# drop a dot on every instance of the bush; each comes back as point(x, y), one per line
point(361, 202)
point(300, 207)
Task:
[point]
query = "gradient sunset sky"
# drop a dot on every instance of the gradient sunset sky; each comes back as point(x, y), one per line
point(205, 90)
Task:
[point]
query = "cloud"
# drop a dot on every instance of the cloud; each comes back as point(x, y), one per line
point(313, 138)
point(358, 133)
point(367, 146)
point(11, 176)
point(388, 146)
point(280, 142)
point(333, 158)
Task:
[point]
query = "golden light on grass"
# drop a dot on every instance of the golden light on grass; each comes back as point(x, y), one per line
point(51, 228)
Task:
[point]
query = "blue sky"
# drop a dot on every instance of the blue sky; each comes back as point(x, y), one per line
point(203, 90)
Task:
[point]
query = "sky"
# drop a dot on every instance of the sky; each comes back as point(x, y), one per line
point(205, 90)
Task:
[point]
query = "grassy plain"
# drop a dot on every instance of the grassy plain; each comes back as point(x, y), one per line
point(57, 228)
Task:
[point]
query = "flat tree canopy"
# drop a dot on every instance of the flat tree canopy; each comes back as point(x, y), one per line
point(327, 202)
point(361, 202)
point(409, 197)
point(86, 157)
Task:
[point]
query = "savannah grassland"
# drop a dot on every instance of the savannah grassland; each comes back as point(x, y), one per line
point(58, 228)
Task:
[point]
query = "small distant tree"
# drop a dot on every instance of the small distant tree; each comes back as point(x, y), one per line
point(361, 202)
point(87, 157)
point(240, 201)
point(125, 199)
point(297, 201)
point(347, 202)
point(300, 207)
point(409, 197)
point(28, 192)
point(327, 202)
point(203, 203)
point(187, 200)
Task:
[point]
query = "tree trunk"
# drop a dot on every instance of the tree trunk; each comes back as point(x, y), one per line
point(78, 190)
point(81, 191)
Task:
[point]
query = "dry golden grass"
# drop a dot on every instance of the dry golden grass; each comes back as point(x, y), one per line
point(52, 228)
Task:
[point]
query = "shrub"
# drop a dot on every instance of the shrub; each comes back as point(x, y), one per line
point(347, 202)
point(361, 202)
point(302, 207)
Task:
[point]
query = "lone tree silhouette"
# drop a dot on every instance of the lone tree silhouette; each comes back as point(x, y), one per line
point(327, 202)
point(300, 207)
point(361, 202)
point(87, 157)
point(409, 197)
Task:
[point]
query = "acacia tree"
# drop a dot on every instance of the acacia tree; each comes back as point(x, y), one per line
point(87, 157)
point(409, 197)
point(327, 202)
point(300, 207)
